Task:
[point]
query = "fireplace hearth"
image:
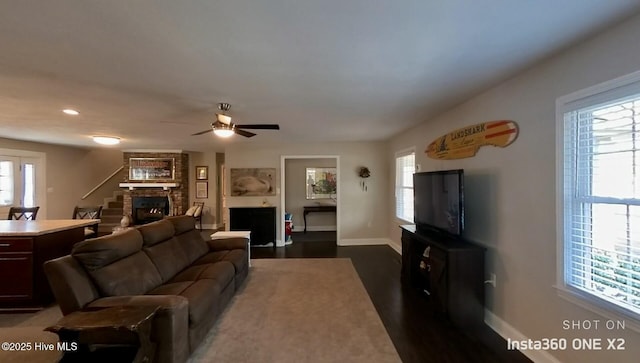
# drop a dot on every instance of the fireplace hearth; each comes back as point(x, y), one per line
point(149, 209)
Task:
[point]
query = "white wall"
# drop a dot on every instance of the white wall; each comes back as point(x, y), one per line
point(208, 159)
point(362, 214)
point(510, 193)
point(71, 173)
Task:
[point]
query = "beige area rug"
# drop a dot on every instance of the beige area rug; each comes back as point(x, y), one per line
point(28, 328)
point(299, 310)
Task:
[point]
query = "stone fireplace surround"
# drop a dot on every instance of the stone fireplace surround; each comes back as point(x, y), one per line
point(179, 195)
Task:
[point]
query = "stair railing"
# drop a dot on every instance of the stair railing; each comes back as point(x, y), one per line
point(103, 182)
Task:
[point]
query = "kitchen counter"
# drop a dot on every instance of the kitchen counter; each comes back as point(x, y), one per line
point(24, 247)
point(36, 228)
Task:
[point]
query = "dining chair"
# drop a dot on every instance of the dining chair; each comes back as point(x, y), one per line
point(23, 213)
point(94, 212)
point(196, 212)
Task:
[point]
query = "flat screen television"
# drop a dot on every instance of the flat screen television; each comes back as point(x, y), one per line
point(438, 199)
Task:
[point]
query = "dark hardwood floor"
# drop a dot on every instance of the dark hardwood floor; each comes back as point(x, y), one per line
point(418, 334)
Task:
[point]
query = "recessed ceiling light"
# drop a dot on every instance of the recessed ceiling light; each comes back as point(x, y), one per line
point(106, 140)
point(72, 112)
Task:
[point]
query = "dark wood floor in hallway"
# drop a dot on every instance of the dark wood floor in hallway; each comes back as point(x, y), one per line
point(418, 335)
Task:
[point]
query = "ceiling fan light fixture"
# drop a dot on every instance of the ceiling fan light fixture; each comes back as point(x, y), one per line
point(223, 130)
point(223, 118)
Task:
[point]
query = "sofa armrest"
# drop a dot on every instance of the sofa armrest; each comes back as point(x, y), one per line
point(70, 284)
point(170, 325)
point(231, 243)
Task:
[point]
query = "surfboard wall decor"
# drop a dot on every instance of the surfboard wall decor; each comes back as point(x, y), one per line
point(465, 142)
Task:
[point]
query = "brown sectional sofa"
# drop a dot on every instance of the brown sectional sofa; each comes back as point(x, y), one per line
point(165, 263)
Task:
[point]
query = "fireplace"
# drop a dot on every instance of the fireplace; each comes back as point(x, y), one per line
point(176, 189)
point(149, 209)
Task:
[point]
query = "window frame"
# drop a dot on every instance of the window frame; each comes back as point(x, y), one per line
point(604, 92)
point(400, 154)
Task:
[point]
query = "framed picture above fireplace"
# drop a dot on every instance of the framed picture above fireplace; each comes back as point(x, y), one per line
point(152, 168)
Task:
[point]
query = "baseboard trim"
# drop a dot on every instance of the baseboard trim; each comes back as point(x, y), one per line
point(508, 332)
point(315, 229)
point(395, 247)
point(363, 241)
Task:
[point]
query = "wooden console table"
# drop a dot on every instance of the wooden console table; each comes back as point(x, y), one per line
point(316, 208)
point(85, 331)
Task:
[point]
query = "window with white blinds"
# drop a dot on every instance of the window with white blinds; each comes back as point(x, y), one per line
point(405, 167)
point(6, 183)
point(601, 198)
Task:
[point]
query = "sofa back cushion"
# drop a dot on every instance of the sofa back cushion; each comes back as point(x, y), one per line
point(163, 249)
point(190, 238)
point(117, 264)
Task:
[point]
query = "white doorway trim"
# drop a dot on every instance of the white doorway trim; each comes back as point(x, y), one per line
point(283, 158)
point(39, 159)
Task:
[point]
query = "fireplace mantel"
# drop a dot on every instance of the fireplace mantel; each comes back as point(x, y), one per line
point(165, 186)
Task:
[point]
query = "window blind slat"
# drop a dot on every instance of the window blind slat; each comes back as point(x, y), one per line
point(602, 199)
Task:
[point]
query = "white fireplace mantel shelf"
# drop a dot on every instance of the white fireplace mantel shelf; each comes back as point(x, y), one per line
point(165, 186)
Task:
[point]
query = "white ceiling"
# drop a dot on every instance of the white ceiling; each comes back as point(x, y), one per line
point(152, 71)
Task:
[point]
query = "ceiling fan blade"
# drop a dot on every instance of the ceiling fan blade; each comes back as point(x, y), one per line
point(202, 132)
point(259, 126)
point(244, 133)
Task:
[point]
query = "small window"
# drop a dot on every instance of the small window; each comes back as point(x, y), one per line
point(6, 183)
point(405, 167)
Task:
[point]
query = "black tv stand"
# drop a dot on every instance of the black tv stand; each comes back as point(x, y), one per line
point(451, 272)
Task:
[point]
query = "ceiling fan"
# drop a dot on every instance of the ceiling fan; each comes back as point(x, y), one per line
point(223, 126)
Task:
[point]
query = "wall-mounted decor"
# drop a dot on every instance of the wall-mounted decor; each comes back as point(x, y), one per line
point(465, 142)
point(363, 173)
point(252, 182)
point(321, 183)
point(151, 168)
point(202, 172)
point(202, 190)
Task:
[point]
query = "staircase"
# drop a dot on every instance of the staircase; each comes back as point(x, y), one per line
point(111, 213)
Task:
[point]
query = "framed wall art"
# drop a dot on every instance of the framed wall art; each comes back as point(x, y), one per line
point(253, 182)
point(202, 172)
point(152, 168)
point(321, 183)
point(202, 190)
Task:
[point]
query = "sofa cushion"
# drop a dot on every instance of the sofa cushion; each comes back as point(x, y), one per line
point(102, 251)
point(182, 223)
point(190, 238)
point(132, 275)
point(163, 249)
point(170, 289)
point(156, 232)
point(211, 257)
point(168, 257)
point(113, 260)
point(203, 298)
point(238, 258)
point(191, 273)
point(222, 271)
